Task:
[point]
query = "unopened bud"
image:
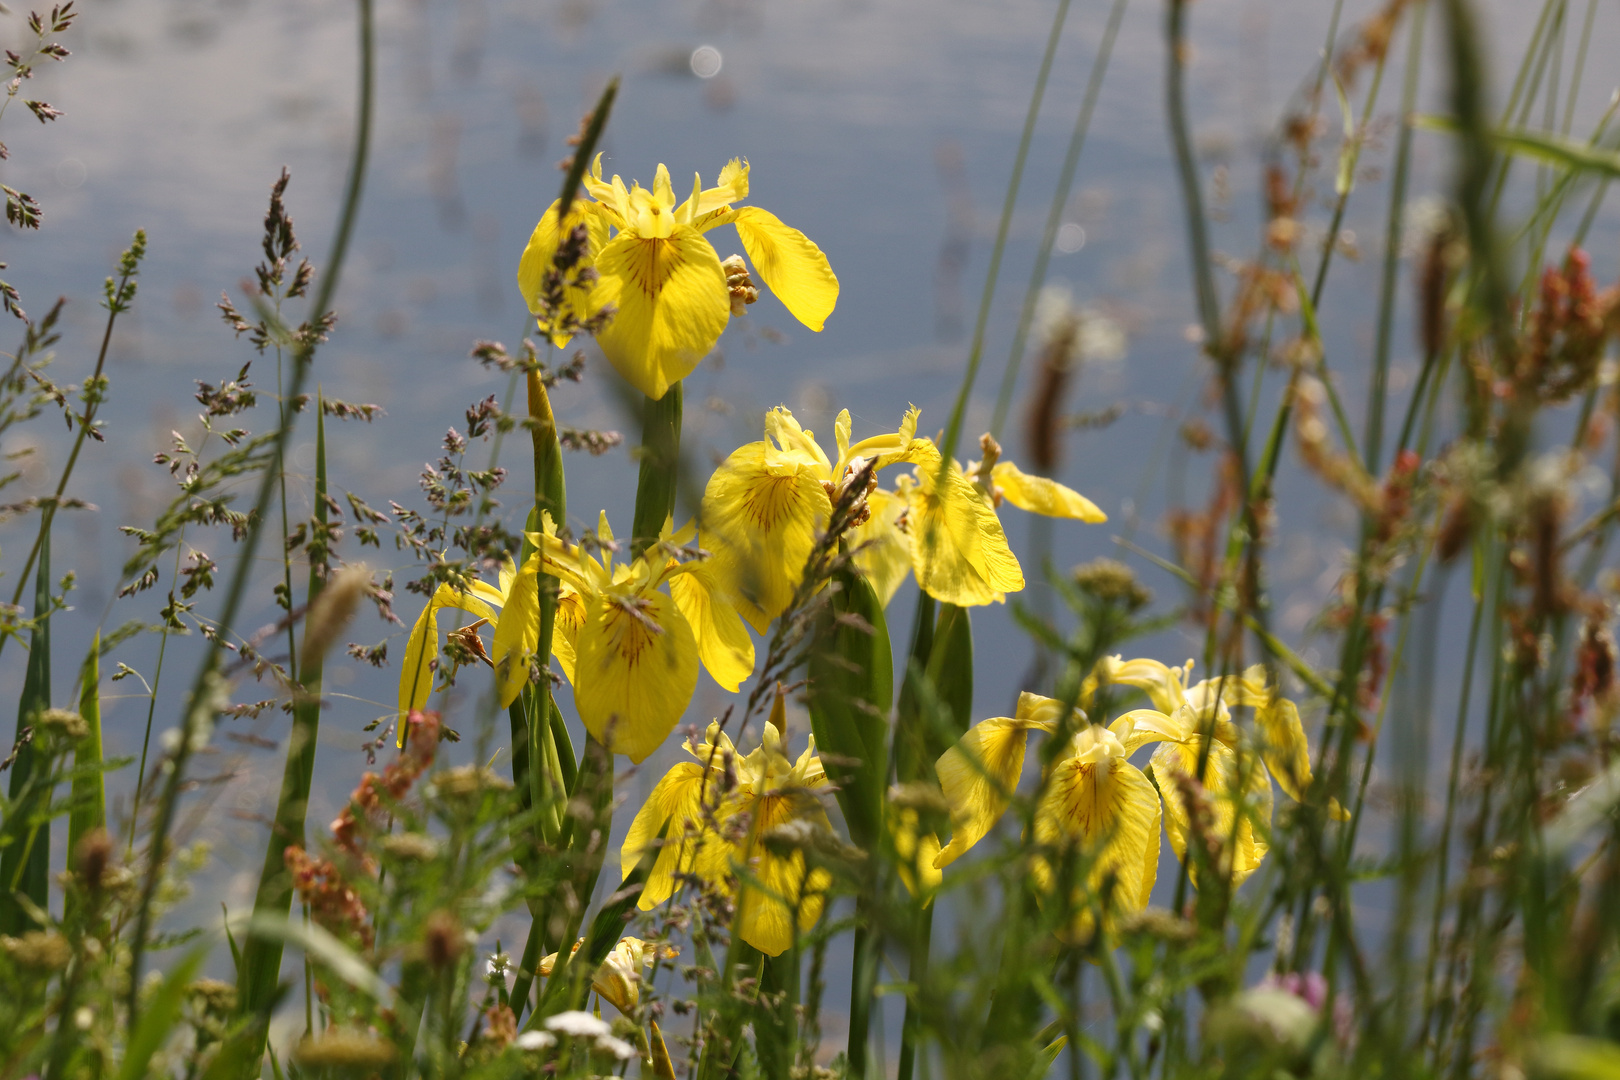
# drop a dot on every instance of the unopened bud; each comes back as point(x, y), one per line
point(738, 283)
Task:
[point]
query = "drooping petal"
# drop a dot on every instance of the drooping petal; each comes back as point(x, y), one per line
point(790, 264)
point(958, 549)
point(422, 647)
point(670, 302)
point(565, 629)
point(1039, 495)
point(760, 519)
point(677, 800)
point(635, 671)
point(540, 253)
point(1286, 752)
point(978, 776)
point(780, 887)
point(882, 549)
point(723, 642)
point(1111, 811)
point(1245, 845)
point(517, 632)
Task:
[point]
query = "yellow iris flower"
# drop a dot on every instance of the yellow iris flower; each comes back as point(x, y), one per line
point(633, 653)
point(618, 980)
point(716, 814)
point(766, 501)
point(946, 529)
point(664, 281)
point(1094, 800)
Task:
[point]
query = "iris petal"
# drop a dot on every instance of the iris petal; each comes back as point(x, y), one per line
point(671, 305)
point(978, 776)
point(723, 642)
point(517, 632)
point(415, 677)
point(635, 671)
point(882, 550)
point(958, 548)
point(1039, 495)
point(1111, 811)
point(542, 251)
point(780, 886)
point(790, 264)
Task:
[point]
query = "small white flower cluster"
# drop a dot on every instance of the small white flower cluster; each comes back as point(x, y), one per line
point(580, 1025)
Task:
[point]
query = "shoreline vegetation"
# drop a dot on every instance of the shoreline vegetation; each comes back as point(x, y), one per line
point(1334, 902)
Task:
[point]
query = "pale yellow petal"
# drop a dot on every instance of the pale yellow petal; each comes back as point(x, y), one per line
point(517, 632)
point(635, 671)
point(670, 306)
point(1245, 845)
point(790, 264)
point(958, 549)
point(1039, 495)
point(914, 854)
point(978, 776)
point(422, 647)
point(1282, 742)
point(540, 254)
point(724, 646)
point(882, 549)
point(780, 888)
point(1110, 811)
point(760, 520)
point(565, 629)
point(676, 801)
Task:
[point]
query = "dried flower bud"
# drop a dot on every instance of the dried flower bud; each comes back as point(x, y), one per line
point(38, 950)
point(343, 1048)
point(92, 857)
point(442, 939)
point(1111, 580)
point(738, 283)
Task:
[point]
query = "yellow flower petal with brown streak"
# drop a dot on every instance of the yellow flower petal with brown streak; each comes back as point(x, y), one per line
point(565, 630)
point(789, 263)
point(958, 549)
point(541, 252)
point(1039, 495)
point(676, 801)
point(1111, 811)
point(635, 671)
point(761, 516)
point(670, 302)
point(978, 776)
point(773, 887)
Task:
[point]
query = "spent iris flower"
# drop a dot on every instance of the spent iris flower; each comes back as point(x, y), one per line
point(633, 654)
point(669, 290)
point(943, 526)
point(618, 980)
point(716, 815)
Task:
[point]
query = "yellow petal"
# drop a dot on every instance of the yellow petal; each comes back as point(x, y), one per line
point(790, 264)
point(1282, 742)
point(670, 306)
point(415, 676)
point(882, 550)
point(958, 549)
point(914, 854)
point(723, 642)
point(1110, 810)
point(677, 801)
point(978, 776)
point(1161, 682)
point(732, 187)
point(565, 629)
point(760, 519)
point(635, 671)
point(517, 632)
point(780, 887)
point(1245, 846)
point(1039, 495)
point(540, 253)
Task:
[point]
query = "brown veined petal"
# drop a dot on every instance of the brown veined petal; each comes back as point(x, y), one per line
point(790, 264)
point(882, 549)
point(723, 642)
point(760, 520)
point(978, 776)
point(670, 306)
point(1110, 810)
point(1247, 845)
point(540, 253)
point(635, 671)
point(1039, 495)
point(780, 886)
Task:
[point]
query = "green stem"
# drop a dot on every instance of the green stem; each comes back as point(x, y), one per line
point(660, 461)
